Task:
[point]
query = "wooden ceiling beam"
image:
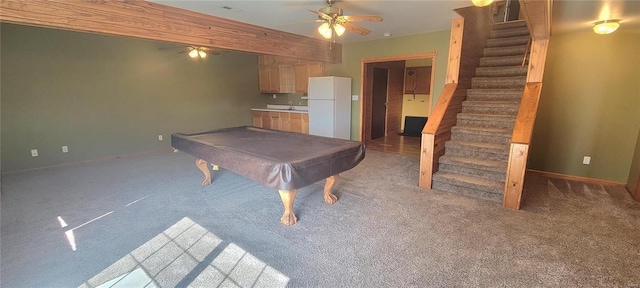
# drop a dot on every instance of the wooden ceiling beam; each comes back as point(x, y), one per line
point(153, 21)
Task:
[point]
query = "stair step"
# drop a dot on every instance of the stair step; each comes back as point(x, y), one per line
point(501, 61)
point(479, 134)
point(484, 169)
point(509, 25)
point(498, 82)
point(509, 41)
point(501, 71)
point(469, 186)
point(509, 32)
point(486, 120)
point(488, 165)
point(491, 107)
point(504, 51)
point(494, 94)
point(485, 151)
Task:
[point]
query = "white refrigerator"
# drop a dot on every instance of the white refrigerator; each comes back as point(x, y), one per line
point(330, 106)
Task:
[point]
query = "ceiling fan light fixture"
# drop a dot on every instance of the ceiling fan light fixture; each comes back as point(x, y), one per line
point(339, 29)
point(481, 3)
point(193, 53)
point(325, 30)
point(202, 54)
point(603, 27)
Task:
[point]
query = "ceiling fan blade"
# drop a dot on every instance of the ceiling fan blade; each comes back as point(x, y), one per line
point(356, 28)
point(211, 51)
point(322, 15)
point(362, 18)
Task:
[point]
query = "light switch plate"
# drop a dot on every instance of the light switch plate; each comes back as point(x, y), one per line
point(354, 97)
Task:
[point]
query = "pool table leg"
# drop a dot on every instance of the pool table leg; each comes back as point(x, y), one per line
point(288, 196)
point(329, 197)
point(202, 165)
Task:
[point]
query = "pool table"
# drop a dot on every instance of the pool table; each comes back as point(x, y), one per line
point(283, 160)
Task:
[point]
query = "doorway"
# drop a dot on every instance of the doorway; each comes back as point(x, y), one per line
point(383, 97)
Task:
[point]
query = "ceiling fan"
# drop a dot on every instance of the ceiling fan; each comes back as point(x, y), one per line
point(195, 52)
point(199, 52)
point(334, 23)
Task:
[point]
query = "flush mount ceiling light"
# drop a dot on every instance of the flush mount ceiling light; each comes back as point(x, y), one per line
point(481, 3)
point(606, 26)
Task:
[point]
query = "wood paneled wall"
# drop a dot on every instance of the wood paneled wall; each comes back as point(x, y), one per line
point(468, 38)
point(477, 28)
point(153, 21)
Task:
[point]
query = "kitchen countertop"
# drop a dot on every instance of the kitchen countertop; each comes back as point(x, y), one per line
point(283, 108)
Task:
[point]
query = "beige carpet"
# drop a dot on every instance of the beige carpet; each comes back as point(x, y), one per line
point(145, 221)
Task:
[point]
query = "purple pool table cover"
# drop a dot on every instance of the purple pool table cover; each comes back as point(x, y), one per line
point(278, 159)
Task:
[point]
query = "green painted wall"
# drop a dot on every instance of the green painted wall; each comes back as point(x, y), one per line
point(106, 96)
point(353, 53)
point(590, 105)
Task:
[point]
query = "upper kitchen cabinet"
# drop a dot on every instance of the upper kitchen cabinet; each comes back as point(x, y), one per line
point(304, 70)
point(277, 78)
point(276, 74)
point(286, 75)
point(417, 80)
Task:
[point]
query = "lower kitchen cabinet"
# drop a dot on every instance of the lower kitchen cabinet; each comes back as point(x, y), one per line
point(285, 121)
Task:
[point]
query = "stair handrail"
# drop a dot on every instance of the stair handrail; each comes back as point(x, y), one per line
point(537, 16)
point(434, 135)
point(464, 57)
point(526, 52)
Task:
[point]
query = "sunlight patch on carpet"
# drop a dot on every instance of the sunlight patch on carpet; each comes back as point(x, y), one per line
point(187, 254)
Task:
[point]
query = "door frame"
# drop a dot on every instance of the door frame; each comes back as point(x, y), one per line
point(364, 89)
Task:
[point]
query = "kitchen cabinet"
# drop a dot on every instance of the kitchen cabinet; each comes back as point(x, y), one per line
point(417, 80)
point(304, 71)
point(295, 122)
point(261, 119)
point(305, 123)
point(276, 78)
point(256, 118)
point(285, 121)
point(275, 120)
point(279, 74)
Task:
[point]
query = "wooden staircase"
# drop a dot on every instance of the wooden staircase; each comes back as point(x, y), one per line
point(476, 157)
point(476, 141)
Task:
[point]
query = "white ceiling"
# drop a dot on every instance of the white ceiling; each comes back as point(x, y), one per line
point(404, 17)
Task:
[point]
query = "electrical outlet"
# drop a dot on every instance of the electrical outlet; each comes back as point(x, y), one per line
point(159, 137)
point(274, 96)
point(65, 149)
point(586, 160)
point(34, 152)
